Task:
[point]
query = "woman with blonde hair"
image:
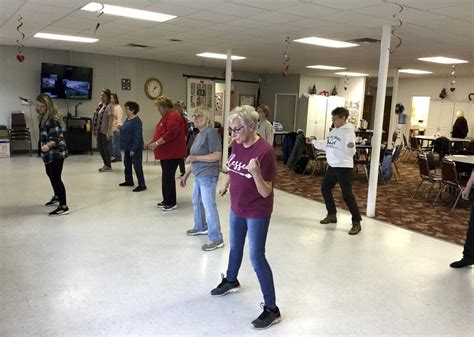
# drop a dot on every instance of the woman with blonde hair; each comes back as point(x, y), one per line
point(251, 173)
point(204, 158)
point(169, 146)
point(53, 150)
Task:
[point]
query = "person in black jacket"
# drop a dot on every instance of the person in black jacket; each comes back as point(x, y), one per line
point(460, 127)
point(53, 150)
point(468, 253)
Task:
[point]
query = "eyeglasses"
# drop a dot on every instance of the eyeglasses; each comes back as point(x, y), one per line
point(236, 130)
point(197, 116)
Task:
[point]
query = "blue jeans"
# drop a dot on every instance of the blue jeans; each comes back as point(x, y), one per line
point(136, 161)
point(205, 208)
point(257, 229)
point(115, 150)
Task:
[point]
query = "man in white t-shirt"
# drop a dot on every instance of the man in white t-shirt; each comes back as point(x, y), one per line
point(264, 127)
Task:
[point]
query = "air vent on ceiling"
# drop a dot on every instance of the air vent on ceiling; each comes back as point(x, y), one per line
point(365, 40)
point(134, 45)
point(176, 40)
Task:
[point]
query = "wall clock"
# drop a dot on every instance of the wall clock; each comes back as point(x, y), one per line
point(153, 88)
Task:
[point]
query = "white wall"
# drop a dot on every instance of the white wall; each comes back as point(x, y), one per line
point(273, 84)
point(23, 79)
point(355, 92)
point(322, 84)
point(407, 88)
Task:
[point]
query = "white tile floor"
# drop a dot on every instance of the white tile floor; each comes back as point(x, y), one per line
point(117, 265)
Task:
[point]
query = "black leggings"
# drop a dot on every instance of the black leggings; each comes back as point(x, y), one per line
point(54, 170)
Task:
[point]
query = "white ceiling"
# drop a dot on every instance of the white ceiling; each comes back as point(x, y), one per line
point(257, 29)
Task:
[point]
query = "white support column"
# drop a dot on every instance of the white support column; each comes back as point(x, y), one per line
point(379, 107)
point(227, 90)
point(393, 116)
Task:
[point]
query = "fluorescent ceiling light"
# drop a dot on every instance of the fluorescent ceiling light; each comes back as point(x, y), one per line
point(127, 12)
point(442, 60)
point(348, 73)
point(326, 42)
point(220, 56)
point(65, 37)
point(319, 66)
point(414, 71)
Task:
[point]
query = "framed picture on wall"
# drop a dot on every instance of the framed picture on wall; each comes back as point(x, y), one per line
point(247, 100)
point(126, 84)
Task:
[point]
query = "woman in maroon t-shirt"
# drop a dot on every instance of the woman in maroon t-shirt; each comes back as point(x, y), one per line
point(251, 172)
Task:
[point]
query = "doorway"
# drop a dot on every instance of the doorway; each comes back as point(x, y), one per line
point(285, 110)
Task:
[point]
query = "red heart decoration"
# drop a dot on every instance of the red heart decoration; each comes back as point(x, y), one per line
point(285, 73)
point(20, 57)
point(452, 89)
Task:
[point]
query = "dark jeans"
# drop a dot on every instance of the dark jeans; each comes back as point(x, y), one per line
point(136, 161)
point(343, 175)
point(257, 229)
point(469, 244)
point(54, 171)
point(168, 181)
point(103, 145)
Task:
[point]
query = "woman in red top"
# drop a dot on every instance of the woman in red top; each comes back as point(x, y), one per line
point(169, 146)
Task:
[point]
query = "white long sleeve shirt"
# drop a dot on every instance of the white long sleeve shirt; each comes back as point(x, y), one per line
point(335, 145)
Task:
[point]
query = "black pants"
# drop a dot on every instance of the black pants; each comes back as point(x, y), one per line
point(54, 170)
point(168, 181)
point(182, 167)
point(103, 145)
point(343, 175)
point(136, 161)
point(469, 244)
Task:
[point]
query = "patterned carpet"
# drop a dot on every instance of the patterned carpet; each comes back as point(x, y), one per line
point(394, 201)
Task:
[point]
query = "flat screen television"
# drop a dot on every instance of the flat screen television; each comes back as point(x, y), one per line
point(66, 82)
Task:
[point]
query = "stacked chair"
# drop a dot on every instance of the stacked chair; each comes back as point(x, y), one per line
point(19, 131)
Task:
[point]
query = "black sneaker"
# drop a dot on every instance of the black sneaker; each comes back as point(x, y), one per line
point(139, 188)
point(464, 262)
point(161, 204)
point(225, 287)
point(53, 202)
point(167, 208)
point(126, 184)
point(267, 318)
point(61, 210)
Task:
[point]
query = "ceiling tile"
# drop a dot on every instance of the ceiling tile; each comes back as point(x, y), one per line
point(276, 17)
point(211, 17)
point(434, 4)
point(465, 12)
point(268, 4)
point(308, 10)
point(201, 4)
point(358, 19)
point(345, 4)
point(248, 23)
point(188, 22)
point(237, 10)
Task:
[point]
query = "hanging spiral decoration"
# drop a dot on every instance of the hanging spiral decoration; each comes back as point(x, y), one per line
point(346, 82)
point(400, 24)
point(20, 57)
point(286, 61)
point(99, 12)
point(453, 80)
